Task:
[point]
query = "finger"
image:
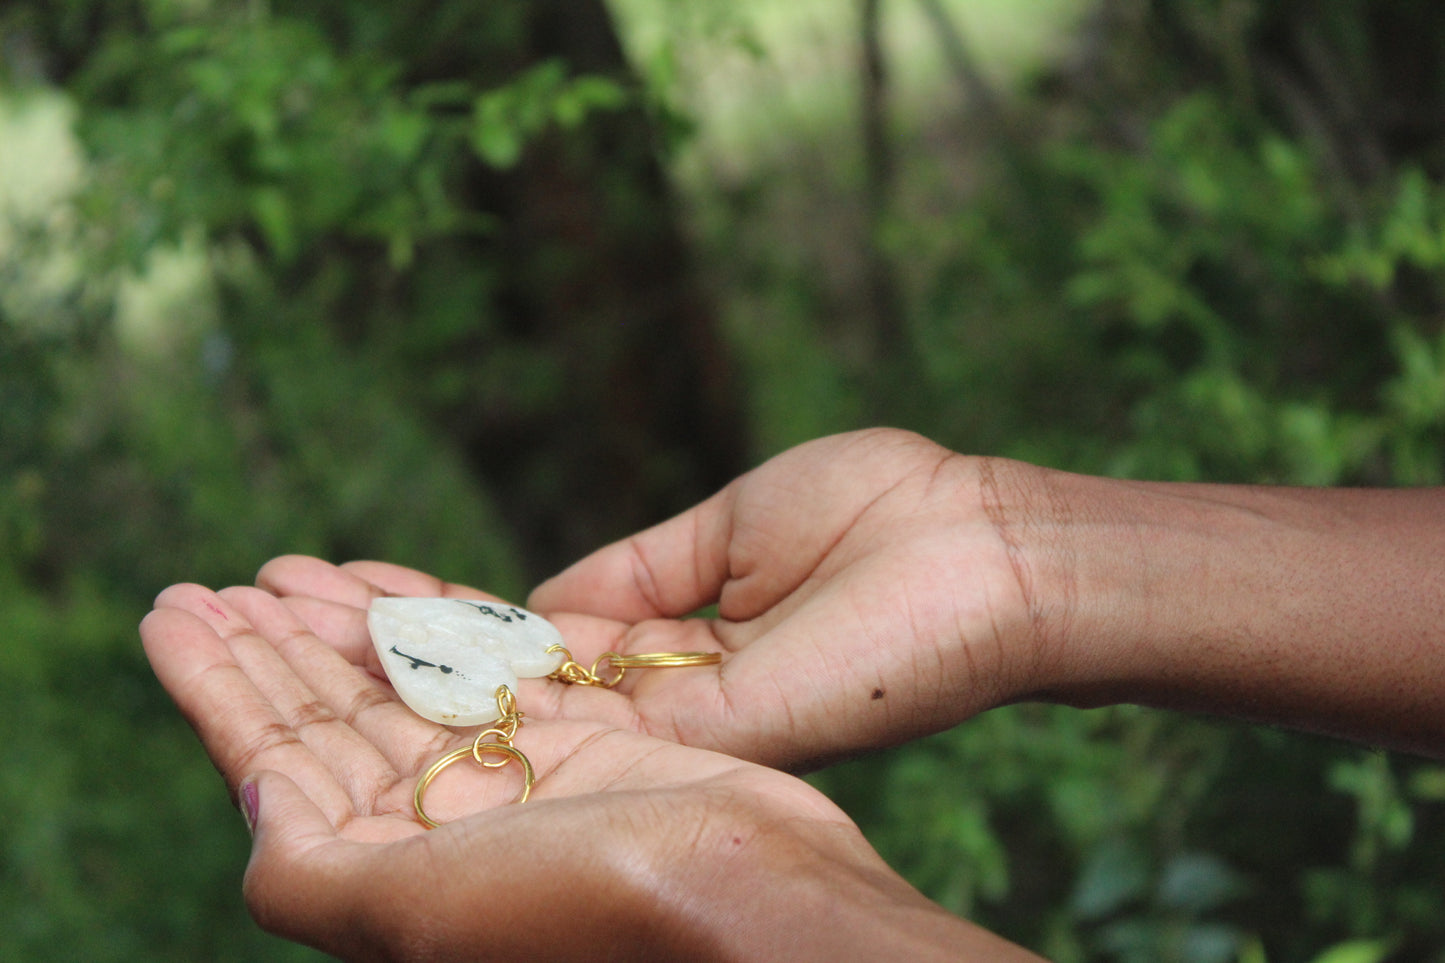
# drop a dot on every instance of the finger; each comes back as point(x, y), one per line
point(387, 579)
point(239, 728)
point(341, 626)
point(334, 600)
point(301, 575)
point(371, 779)
point(303, 880)
point(355, 583)
point(311, 688)
point(334, 707)
point(355, 901)
point(667, 571)
point(330, 600)
point(309, 884)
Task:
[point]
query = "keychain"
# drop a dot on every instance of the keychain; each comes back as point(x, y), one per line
point(457, 661)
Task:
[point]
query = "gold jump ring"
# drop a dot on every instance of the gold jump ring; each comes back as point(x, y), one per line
point(503, 739)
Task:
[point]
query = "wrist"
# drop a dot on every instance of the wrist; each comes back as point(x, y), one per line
point(1136, 591)
point(1049, 578)
point(1311, 608)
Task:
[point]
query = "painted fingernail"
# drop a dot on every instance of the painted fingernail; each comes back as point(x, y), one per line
point(250, 804)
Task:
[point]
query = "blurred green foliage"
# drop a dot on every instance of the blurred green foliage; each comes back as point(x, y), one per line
point(269, 294)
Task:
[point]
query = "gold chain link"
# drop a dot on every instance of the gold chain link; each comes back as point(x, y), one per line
point(574, 673)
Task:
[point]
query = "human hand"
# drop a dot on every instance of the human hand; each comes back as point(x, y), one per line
point(873, 586)
point(866, 594)
point(631, 847)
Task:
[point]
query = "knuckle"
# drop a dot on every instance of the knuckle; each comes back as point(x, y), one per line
point(364, 702)
point(270, 738)
point(311, 713)
point(645, 576)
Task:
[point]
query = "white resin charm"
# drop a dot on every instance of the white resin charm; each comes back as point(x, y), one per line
point(446, 657)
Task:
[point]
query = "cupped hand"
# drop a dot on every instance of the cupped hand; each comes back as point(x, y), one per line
point(868, 587)
point(630, 846)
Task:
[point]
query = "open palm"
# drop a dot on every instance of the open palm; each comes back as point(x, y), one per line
point(340, 859)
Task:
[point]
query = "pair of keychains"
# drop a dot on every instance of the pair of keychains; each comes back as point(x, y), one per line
point(456, 662)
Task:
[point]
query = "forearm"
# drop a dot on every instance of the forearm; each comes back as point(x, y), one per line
point(1319, 609)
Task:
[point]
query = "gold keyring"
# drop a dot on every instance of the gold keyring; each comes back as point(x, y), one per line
point(661, 660)
point(528, 776)
point(475, 751)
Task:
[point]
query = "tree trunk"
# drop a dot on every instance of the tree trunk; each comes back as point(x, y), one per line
point(597, 271)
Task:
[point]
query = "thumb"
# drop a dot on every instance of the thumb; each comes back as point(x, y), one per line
point(288, 820)
point(288, 889)
point(669, 570)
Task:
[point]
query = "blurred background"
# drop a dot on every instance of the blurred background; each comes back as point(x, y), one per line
point(477, 287)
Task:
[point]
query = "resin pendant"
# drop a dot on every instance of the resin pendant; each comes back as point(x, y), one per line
point(446, 657)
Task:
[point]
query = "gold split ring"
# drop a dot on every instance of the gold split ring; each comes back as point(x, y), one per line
point(661, 660)
point(475, 751)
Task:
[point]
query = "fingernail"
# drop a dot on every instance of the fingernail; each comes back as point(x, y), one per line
point(250, 804)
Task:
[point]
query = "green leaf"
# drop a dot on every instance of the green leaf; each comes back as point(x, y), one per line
point(495, 136)
point(1253, 952)
point(1116, 874)
point(1197, 883)
point(1429, 784)
point(1355, 951)
point(585, 95)
point(272, 211)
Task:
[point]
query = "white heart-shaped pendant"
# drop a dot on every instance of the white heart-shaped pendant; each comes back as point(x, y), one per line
point(447, 657)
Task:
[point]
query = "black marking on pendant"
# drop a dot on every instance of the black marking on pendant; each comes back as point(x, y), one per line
point(418, 663)
point(486, 609)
